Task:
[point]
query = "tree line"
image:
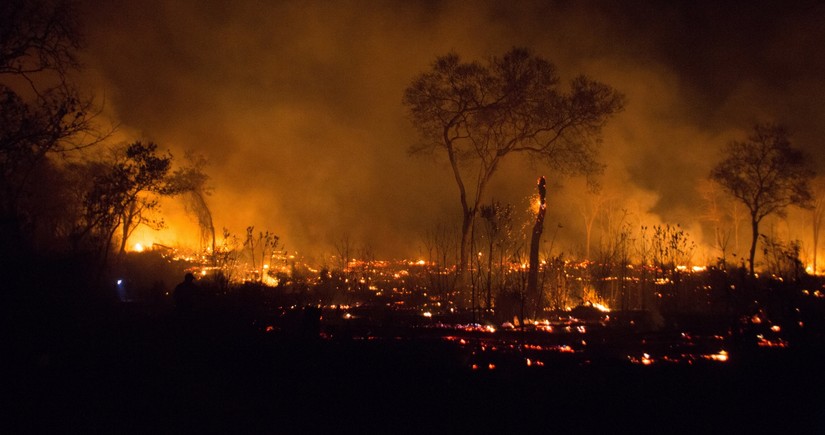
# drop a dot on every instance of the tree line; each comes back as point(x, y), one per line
point(65, 189)
point(478, 114)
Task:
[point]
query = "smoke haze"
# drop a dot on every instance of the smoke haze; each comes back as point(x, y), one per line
point(297, 104)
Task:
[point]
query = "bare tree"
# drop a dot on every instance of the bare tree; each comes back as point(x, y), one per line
point(480, 114)
point(643, 253)
point(439, 242)
point(42, 112)
point(344, 247)
point(250, 242)
point(590, 208)
point(367, 254)
point(190, 183)
point(817, 216)
point(38, 37)
point(498, 228)
point(766, 174)
point(714, 214)
point(227, 259)
point(535, 241)
point(268, 243)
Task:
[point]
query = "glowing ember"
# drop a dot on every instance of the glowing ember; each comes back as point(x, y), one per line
point(645, 360)
point(764, 342)
point(601, 307)
point(722, 356)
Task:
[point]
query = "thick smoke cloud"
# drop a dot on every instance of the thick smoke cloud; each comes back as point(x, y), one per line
point(297, 104)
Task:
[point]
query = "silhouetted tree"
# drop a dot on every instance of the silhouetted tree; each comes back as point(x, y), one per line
point(38, 36)
point(643, 253)
point(817, 216)
point(266, 242)
point(498, 219)
point(251, 243)
point(765, 173)
point(439, 242)
point(671, 249)
point(190, 183)
point(227, 259)
point(535, 240)
point(345, 249)
point(42, 112)
point(590, 208)
point(782, 259)
point(478, 114)
point(120, 193)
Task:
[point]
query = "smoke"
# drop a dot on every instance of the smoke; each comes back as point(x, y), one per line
point(297, 104)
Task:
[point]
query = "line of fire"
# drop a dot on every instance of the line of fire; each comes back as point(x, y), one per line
point(128, 304)
point(676, 313)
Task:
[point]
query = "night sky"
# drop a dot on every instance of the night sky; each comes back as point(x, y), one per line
point(297, 105)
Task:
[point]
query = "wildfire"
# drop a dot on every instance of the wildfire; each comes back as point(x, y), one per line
point(764, 342)
point(722, 356)
point(645, 359)
point(601, 307)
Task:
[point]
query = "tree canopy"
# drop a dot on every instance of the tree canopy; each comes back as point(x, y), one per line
point(766, 174)
point(478, 114)
point(43, 112)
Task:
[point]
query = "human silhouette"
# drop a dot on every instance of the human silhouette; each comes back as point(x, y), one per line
point(184, 294)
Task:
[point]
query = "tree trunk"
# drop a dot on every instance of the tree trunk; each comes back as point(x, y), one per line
point(755, 234)
point(489, 299)
point(817, 222)
point(466, 239)
point(127, 219)
point(204, 216)
point(532, 275)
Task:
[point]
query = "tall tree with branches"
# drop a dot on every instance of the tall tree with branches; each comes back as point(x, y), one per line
point(767, 174)
point(478, 114)
point(120, 193)
point(43, 113)
point(190, 182)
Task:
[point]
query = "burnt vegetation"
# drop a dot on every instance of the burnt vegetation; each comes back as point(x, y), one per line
point(490, 326)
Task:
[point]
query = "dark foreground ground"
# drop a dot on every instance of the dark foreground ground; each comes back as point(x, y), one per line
point(136, 373)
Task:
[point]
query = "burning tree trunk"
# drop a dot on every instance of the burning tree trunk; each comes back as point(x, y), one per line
point(538, 227)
